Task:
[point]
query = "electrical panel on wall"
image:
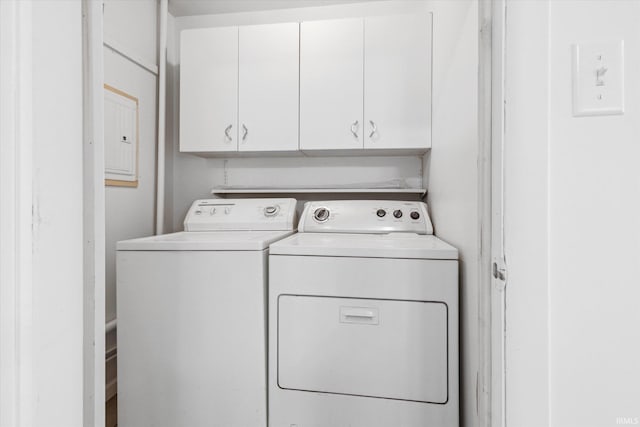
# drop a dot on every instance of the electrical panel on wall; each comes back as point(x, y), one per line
point(120, 138)
point(598, 78)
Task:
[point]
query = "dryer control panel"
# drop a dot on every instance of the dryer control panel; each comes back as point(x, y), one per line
point(241, 214)
point(365, 216)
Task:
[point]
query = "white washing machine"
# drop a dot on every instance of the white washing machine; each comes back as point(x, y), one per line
point(363, 319)
point(192, 317)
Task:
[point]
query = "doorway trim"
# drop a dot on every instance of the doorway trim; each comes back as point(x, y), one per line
point(93, 215)
point(16, 196)
point(490, 393)
point(498, 273)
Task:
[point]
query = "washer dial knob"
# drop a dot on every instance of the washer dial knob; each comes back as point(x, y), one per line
point(321, 214)
point(397, 213)
point(415, 215)
point(381, 213)
point(271, 210)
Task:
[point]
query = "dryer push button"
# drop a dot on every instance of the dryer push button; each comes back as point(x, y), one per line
point(321, 214)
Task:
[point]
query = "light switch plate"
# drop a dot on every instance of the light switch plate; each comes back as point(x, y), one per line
point(598, 78)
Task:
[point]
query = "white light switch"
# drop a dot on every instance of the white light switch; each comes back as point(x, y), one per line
point(598, 78)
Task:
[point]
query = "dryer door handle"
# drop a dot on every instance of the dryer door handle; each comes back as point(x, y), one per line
point(368, 315)
point(362, 315)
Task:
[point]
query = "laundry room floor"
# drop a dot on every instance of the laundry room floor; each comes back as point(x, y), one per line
point(111, 412)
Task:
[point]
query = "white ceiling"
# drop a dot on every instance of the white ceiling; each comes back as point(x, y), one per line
point(208, 7)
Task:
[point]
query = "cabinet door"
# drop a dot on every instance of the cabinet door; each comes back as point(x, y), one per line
point(268, 92)
point(397, 82)
point(331, 89)
point(209, 90)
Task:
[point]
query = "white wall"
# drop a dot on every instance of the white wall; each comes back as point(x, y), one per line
point(131, 25)
point(526, 222)
point(582, 321)
point(594, 224)
point(130, 212)
point(453, 170)
point(57, 293)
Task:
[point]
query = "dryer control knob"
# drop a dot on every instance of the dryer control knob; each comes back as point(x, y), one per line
point(381, 213)
point(270, 210)
point(321, 214)
point(397, 213)
point(415, 215)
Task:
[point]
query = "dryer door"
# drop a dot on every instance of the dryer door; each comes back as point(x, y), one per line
point(392, 349)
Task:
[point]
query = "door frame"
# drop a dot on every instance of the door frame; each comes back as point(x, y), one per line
point(94, 229)
point(490, 393)
point(17, 382)
point(16, 238)
point(498, 274)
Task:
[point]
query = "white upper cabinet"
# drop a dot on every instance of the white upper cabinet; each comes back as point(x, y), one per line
point(397, 82)
point(344, 85)
point(331, 85)
point(268, 87)
point(209, 90)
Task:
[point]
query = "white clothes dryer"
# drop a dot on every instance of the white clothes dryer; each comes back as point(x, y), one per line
point(363, 319)
point(192, 317)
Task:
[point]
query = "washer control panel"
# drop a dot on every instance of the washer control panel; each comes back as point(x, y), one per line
point(365, 216)
point(241, 214)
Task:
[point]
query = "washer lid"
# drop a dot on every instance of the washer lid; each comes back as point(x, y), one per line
point(205, 241)
point(394, 245)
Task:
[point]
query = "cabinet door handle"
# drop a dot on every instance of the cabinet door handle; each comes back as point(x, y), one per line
point(246, 132)
point(374, 129)
point(354, 128)
point(226, 133)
